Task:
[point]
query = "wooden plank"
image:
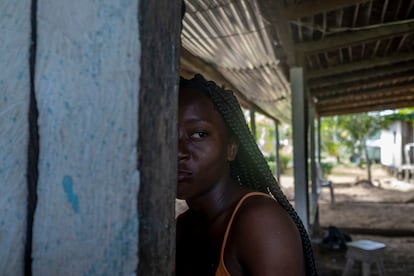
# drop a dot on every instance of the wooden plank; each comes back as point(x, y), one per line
point(313, 7)
point(365, 64)
point(14, 132)
point(158, 109)
point(87, 83)
point(357, 37)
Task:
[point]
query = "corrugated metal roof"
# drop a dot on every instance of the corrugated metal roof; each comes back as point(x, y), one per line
point(234, 38)
point(357, 55)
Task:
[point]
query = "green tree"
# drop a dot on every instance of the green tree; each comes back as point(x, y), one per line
point(330, 137)
point(357, 128)
point(350, 133)
point(404, 114)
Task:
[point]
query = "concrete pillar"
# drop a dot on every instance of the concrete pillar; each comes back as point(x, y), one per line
point(299, 144)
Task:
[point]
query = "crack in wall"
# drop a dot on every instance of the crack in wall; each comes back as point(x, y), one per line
point(33, 145)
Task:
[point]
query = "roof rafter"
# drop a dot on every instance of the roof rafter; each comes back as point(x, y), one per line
point(359, 97)
point(357, 37)
point(365, 64)
point(358, 76)
point(313, 7)
point(362, 85)
point(343, 110)
point(385, 100)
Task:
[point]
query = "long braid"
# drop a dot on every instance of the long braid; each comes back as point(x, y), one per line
point(250, 167)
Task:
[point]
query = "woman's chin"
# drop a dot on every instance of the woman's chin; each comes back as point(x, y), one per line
point(180, 192)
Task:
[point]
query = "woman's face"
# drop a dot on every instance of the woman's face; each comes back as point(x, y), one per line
point(204, 147)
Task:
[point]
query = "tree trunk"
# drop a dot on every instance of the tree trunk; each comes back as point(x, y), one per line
point(368, 162)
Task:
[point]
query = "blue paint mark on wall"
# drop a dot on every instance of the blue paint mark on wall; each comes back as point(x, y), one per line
point(70, 195)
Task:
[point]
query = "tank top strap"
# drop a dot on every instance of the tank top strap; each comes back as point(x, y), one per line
point(221, 269)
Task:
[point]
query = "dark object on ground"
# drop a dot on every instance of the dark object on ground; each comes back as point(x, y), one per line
point(335, 239)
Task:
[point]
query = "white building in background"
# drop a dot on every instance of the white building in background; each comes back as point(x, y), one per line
point(387, 147)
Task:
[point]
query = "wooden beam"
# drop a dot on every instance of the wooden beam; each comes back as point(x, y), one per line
point(157, 144)
point(360, 86)
point(312, 7)
point(357, 37)
point(358, 76)
point(375, 94)
point(355, 66)
point(405, 94)
point(385, 102)
point(343, 110)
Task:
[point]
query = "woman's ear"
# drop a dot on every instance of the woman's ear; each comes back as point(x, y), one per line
point(232, 149)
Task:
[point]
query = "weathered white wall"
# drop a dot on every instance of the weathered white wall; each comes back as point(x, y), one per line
point(14, 102)
point(391, 153)
point(391, 147)
point(87, 83)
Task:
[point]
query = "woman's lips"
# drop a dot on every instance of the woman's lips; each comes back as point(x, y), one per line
point(184, 175)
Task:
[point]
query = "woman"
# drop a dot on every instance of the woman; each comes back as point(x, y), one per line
point(238, 221)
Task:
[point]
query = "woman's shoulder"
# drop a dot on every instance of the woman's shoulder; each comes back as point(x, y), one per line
point(261, 212)
point(263, 226)
point(262, 207)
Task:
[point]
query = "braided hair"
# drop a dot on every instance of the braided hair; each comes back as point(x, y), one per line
point(249, 167)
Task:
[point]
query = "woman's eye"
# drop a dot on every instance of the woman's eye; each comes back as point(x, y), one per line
point(199, 134)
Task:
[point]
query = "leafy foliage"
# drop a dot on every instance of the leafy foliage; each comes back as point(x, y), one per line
point(406, 114)
point(349, 133)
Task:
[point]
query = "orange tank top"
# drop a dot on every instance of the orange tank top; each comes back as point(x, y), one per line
point(221, 269)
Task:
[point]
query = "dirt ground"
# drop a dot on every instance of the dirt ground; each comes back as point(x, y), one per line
point(383, 212)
